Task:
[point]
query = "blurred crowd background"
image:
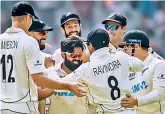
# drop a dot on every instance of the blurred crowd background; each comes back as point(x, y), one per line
point(148, 16)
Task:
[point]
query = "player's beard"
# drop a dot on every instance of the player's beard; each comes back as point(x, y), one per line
point(71, 65)
point(41, 43)
point(78, 33)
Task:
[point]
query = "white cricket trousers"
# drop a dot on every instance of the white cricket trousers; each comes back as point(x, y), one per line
point(19, 108)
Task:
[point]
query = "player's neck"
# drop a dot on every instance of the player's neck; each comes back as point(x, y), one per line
point(20, 25)
point(143, 55)
point(65, 68)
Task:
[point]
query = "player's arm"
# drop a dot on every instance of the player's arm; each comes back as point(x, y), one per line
point(44, 93)
point(34, 64)
point(135, 64)
point(157, 93)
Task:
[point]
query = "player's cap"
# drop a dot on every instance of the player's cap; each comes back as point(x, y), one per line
point(68, 17)
point(98, 38)
point(137, 36)
point(116, 17)
point(38, 26)
point(23, 8)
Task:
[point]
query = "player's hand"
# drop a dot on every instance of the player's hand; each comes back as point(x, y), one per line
point(77, 89)
point(129, 101)
point(49, 61)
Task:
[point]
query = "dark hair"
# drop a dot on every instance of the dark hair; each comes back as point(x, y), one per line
point(99, 38)
point(70, 43)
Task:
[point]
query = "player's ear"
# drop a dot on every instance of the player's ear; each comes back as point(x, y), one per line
point(63, 55)
point(91, 47)
point(62, 30)
point(137, 46)
point(124, 29)
point(80, 26)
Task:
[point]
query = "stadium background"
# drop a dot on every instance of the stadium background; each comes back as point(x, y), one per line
point(148, 16)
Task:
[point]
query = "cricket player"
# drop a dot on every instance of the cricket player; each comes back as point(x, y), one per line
point(70, 25)
point(21, 67)
point(39, 30)
point(148, 85)
point(105, 75)
point(116, 25)
point(65, 102)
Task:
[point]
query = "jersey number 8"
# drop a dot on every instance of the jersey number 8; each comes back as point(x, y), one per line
point(113, 87)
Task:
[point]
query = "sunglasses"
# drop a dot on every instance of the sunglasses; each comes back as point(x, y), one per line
point(42, 33)
point(112, 27)
point(74, 55)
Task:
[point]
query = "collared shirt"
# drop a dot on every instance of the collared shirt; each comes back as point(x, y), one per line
point(112, 48)
point(63, 101)
point(106, 76)
point(145, 82)
point(20, 58)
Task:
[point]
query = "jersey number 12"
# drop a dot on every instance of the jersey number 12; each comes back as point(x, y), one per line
point(3, 62)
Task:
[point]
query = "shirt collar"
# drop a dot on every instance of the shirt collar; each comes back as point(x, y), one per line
point(99, 52)
point(14, 30)
point(148, 59)
point(112, 48)
point(59, 70)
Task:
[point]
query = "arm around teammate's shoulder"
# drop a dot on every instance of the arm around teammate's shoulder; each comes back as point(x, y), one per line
point(43, 81)
point(134, 64)
point(81, 72)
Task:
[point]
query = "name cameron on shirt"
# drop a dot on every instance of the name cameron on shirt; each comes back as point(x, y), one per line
point(106, 68)
point(9, 44)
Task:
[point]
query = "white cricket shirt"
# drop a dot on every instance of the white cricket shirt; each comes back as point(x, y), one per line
point(63, 101)
point(20, 57)
point(151, 78)
point(106, 76)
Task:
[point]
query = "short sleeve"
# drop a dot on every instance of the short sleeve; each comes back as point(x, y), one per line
point(32, 56)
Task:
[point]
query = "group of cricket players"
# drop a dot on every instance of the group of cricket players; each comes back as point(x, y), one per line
point(112, 71)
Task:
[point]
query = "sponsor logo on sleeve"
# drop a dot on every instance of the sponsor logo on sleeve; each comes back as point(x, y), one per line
point(139, 87)
point(131, 76)
point(38, 63)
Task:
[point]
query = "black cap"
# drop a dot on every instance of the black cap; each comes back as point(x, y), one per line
point(22, 8)
point(38, 26)
point(137, 36)
point(116, 17)
point(68, 17)
point(99, 38)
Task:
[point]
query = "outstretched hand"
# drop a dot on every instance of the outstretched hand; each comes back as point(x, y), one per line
point(77, 89)
point(49, 61)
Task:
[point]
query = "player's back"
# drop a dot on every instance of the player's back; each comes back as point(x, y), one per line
point(17, 84)
point(107, 80)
